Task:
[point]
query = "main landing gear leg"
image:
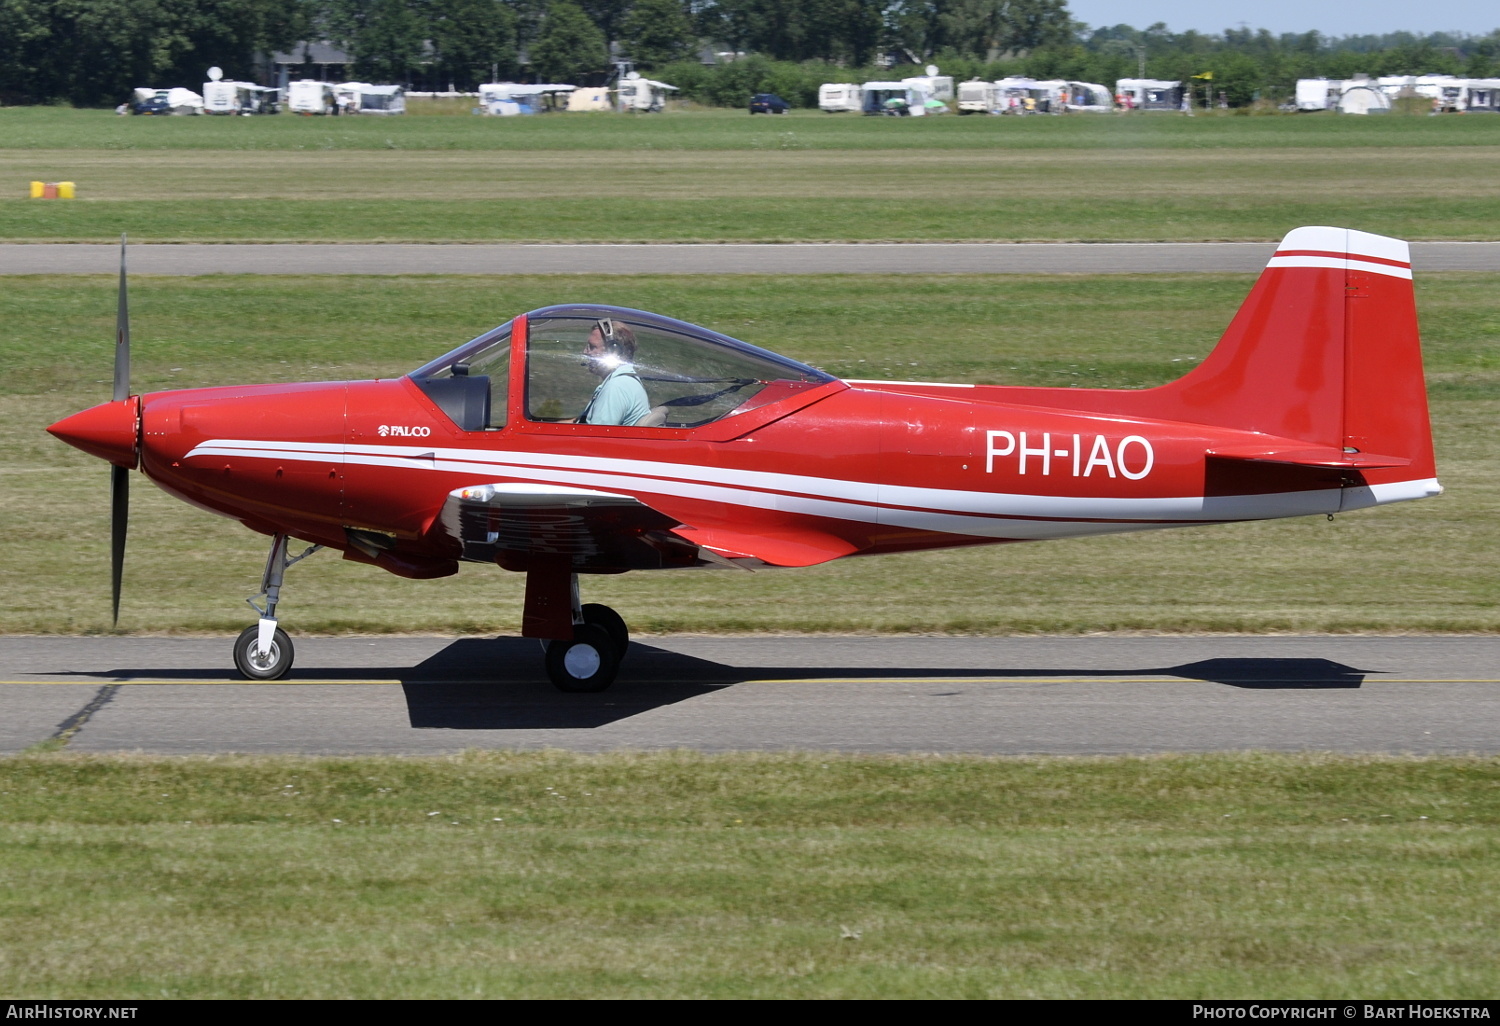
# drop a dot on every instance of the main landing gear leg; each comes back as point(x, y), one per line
point(590, 658)
point(264, 652)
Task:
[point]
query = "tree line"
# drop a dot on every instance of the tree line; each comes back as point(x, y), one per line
point(95, 51)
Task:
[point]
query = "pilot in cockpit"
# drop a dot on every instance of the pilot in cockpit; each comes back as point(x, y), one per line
point(620, 397)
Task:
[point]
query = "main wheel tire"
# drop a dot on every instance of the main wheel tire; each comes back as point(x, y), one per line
point(587, 663)
point(613, 624)
point(256, 665)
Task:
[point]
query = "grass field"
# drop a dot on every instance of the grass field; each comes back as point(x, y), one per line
point(722, 175)
point(188, 571)
point(679, 875)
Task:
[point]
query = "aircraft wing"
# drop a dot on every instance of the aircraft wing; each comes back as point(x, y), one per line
point(519, 525)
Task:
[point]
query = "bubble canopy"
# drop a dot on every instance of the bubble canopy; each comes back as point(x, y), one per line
point(769, 364)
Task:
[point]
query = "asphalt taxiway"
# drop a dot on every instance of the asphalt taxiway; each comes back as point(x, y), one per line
point(1052, 695)
point(670, 258)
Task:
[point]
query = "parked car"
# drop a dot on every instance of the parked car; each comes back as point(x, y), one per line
point(768, 103)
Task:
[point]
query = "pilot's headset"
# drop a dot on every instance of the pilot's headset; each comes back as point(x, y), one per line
point(614, 346)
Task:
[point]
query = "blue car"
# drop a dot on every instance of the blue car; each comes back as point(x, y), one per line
point(768, 103)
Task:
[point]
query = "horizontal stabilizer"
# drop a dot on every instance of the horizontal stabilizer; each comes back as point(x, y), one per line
point(1314, 456)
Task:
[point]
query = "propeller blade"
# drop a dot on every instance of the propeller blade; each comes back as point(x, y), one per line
point(119, 515)
point(119, 477)
point(122, 336)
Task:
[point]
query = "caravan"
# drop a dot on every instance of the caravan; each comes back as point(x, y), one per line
point(239, 98)
point(1318, 93)
point(934, 86)
point(838, 96)
point(364, 98)
point(226, 96)
point(1149, 94)
point(637, 93)
point(382, 99)
point(979, 97)
point(309, 96)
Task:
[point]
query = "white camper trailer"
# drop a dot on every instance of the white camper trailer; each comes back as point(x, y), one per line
point(1318, 93)
point(308, 96)
point(935, 86)
point(637, 93)
point(838, 96)
point(382, 99)
point(364, 98)
point(225, 97)
point(1150, 93)
point(1089, 97)
point(979, 97)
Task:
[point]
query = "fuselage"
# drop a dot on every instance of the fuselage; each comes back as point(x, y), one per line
point(881, 467)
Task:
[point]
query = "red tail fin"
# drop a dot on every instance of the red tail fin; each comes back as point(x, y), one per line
point(1325, 350)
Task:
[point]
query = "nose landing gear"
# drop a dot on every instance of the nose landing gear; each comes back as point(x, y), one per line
point(264, 652)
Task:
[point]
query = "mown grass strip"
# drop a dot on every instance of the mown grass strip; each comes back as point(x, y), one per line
point(1438, 192)
point(41, 128)
point(677, 874)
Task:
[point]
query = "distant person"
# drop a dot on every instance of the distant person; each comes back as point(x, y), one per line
point(609, 355)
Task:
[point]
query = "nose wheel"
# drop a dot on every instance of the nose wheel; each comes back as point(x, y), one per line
point(268, 662)
point(264, 652)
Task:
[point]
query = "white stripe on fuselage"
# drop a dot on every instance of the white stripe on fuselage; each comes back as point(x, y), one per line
point(955, 511)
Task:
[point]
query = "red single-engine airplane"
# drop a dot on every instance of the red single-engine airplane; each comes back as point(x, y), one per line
point(595, 440)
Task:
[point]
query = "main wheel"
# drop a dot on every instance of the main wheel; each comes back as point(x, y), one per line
point(587, 663)
point(257, 665)
point(612, 622)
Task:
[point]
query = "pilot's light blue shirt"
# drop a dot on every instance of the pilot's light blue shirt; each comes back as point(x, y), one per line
point(619, 399)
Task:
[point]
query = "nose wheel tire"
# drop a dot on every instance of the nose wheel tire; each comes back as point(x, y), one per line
point(587, 663)
point(257, 665)
point(612, 622)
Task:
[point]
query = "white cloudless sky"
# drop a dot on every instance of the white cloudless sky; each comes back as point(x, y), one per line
point(1330, 17)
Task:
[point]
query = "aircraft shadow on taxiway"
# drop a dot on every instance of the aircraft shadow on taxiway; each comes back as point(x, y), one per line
point(493, 684)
